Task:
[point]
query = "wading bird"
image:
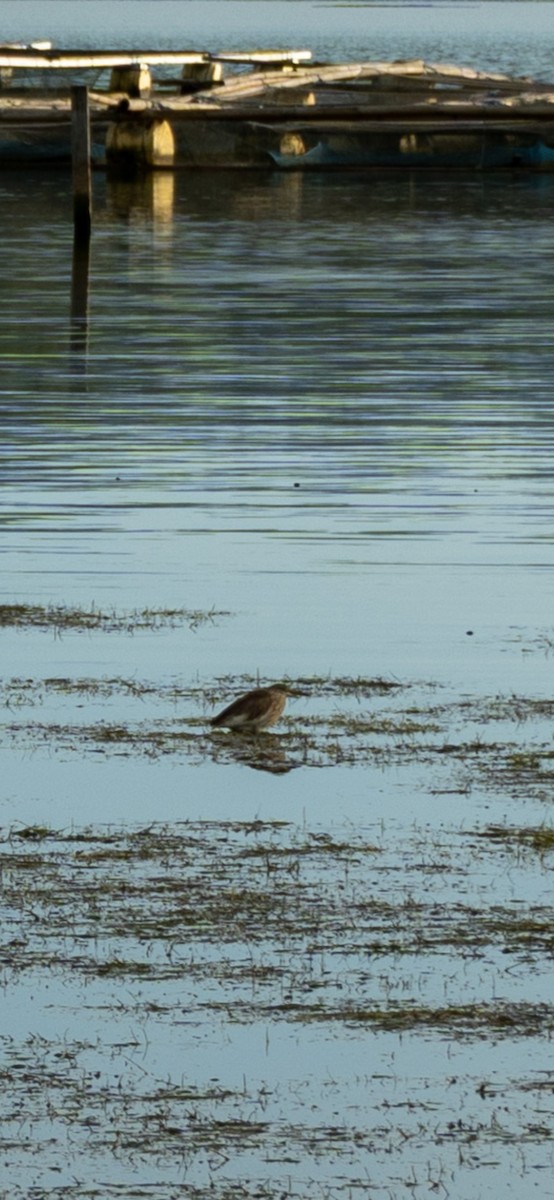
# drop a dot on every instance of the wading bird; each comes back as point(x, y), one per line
point(255, 710)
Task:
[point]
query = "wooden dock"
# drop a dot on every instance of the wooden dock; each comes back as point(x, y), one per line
point(275, 108)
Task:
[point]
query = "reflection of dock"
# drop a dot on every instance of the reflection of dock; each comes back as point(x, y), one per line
point(273, 108)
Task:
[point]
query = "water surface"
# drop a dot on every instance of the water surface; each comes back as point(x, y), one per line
point(322, 406)
point(321, 403)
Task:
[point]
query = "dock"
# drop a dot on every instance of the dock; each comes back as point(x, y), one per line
point(271, 108)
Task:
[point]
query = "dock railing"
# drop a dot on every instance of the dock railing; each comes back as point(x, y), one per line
point(131, 70)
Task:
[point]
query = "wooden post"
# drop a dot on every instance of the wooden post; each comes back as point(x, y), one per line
point(80, 157)
point(140, 145)
point(134, 81)
point(197, 77)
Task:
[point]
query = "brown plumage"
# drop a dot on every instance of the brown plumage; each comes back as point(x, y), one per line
point(255, 710)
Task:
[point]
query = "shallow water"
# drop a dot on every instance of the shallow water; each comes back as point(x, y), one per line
point(321, 404)
point(321, 407)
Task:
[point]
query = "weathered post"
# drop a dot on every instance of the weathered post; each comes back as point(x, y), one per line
point(134, 80)
point(80, 157)
point(196, 77)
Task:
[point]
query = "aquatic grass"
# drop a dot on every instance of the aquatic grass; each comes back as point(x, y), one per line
point(21, 692)
point(467, 1020)
point(32, 833)
point(460, 736)
point(319, 685)
point(190, 1121)
point(542, 641)
point(61, 618)
point(120, 902)
point(539, 839)
point(17, 691)
point(175, 934)
point(345, 685)
point(189, 737)
point(520, 770)
point(354, 725)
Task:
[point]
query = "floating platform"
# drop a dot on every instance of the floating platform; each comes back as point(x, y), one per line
point(272, 108)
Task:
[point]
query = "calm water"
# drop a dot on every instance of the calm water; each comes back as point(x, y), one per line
point(323, 404)
point(501, 36)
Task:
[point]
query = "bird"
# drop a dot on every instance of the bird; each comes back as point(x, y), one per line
point(255, 710)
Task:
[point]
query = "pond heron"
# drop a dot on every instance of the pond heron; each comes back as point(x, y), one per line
point(255, 710)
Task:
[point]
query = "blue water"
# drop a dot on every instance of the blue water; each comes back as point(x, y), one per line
point(323, 404)
point(516, 37)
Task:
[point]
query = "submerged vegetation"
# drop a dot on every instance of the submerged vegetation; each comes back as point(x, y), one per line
point(317, 912)
point(540, 839)
point(157, 947)
point(330, 722)
point(60, 618)
point(198, 933)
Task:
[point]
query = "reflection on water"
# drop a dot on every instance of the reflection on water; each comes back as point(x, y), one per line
point(323, 405)
point(285, 376)
point(80, 302)
point(346, 334)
